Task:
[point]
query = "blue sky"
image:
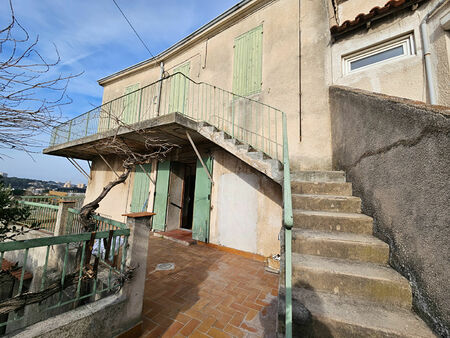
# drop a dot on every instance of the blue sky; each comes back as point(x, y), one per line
point(92, 37)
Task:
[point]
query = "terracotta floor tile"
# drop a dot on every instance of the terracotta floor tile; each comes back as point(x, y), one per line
point(210, 293)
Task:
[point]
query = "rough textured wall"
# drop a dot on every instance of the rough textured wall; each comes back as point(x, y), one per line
point(397, 155)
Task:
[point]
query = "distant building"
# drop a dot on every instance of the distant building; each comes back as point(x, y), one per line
point(81, 185)
point(68, 184)
point(3, 174)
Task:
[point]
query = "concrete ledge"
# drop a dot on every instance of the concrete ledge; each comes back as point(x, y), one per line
point(98, 319)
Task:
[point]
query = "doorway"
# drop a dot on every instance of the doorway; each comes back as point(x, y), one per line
point(180, 208)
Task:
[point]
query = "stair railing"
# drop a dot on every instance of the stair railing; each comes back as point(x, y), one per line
point(288, 221)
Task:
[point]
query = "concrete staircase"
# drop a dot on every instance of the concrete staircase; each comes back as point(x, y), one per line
point(256, 159)
point(342, 283)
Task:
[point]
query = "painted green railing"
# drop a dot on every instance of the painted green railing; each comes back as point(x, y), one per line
point(288, 220)
point(42, 216)
point(246, 120)
point(74, 225)
point(50, 199)
point(78, 268)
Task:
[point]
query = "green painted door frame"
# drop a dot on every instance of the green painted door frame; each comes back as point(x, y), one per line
point(141, 188)
point(161, 196)
point(202, 201)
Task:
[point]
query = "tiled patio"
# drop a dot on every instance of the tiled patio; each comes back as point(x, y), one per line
point(210, 293)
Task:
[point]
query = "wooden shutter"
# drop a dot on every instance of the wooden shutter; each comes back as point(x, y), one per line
point(131, 104)
point(202, 201)
point(247, 68)
point(141, 186)
point(161, 196)
point(179, 89)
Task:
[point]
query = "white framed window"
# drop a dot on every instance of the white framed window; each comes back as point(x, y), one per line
point(384, 52)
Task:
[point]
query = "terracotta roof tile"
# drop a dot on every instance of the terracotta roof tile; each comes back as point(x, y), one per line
point(375, 13)
point(14, 270)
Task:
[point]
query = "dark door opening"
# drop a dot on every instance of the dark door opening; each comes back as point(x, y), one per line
point(181, 196)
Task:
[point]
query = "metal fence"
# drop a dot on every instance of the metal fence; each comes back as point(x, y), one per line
point(49, 199)
point(50, 275)
point(249, 121)
point(42, 216)
point(74, 225)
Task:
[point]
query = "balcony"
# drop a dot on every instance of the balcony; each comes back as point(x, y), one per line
point(167, 108)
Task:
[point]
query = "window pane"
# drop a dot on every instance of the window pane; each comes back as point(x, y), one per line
point(385, 55)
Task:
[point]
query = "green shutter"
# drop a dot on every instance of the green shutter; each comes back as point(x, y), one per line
point(141, 186)
point(179, 89)
point(247, 69)
point(202, 201)
point(131, 104)
point(161, 196)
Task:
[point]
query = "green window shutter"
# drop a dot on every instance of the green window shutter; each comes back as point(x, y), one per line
point(131, 104)
point(179, 89)
point(202, 201)
point(247, 69)
point(161, 196)
point(141, 186)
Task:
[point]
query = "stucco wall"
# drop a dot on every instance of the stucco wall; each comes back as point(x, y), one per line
point(246, 207)
point(118, 200)
point(403, 77)
point(396, 154)
point(211, 59)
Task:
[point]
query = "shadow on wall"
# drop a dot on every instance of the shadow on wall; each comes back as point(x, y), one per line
point(396, 154)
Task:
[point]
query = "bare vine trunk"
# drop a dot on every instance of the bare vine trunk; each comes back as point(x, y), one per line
point(88, 210)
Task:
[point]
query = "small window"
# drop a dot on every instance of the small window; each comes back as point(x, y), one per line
point(387, 51)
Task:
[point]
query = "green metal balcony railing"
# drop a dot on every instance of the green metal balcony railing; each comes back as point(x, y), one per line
point(50, 199)
point(51, 275)
point(246, 120)
point(42, 216)
point(74, 225)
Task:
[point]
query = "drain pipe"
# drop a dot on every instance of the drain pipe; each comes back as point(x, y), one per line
point(161, 74)
point(427, 52)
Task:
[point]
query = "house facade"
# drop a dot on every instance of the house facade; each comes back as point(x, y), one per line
point(220, 95)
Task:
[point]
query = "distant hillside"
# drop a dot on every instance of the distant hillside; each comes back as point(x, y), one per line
point(32, 185)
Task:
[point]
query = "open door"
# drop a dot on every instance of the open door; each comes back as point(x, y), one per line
point(176, 194)
point(161, 196)
point(202, 201)
point(141, 187)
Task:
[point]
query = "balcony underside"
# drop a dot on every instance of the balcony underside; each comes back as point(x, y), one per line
point(169, 128)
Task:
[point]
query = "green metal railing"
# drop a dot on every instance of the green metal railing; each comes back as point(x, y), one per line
point(246, 120)
point(42, 216)
point(288, 220)
point(102, 224)
point(49, 199)
point(70, 256)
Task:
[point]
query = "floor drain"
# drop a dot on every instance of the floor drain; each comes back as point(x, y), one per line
point(165, 266)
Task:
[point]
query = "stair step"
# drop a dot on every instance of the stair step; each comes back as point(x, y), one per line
point(326, 203)
point(317, 314)
point(256, 155)
point(364, 248)
point(321, 188)
point(366, 281)
point(319, 176)
point(333, 221)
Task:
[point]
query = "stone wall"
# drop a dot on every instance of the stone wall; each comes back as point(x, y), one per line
point(396, 152)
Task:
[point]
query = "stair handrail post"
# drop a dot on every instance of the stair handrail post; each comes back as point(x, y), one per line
point(288, 221)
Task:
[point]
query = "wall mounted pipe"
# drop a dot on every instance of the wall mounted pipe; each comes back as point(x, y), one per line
point(427, 53)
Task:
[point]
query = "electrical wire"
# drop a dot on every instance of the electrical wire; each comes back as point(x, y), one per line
point(134, 30)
